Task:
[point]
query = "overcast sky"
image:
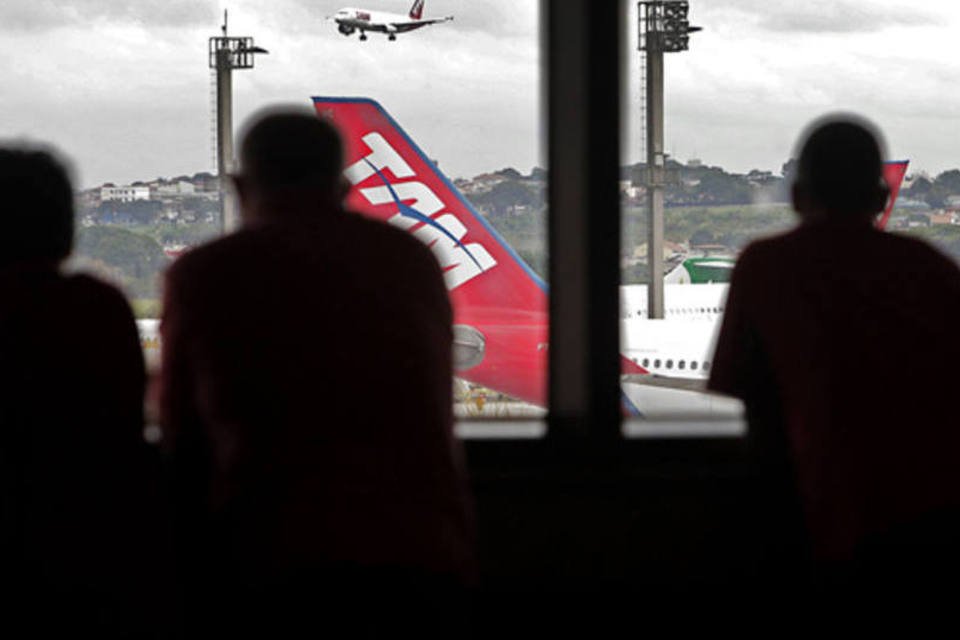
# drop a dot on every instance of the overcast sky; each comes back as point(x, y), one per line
point(762, 69)
point(123, 88)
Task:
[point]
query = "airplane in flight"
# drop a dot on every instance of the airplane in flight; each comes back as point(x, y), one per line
point(500, 304)
point(349, 20)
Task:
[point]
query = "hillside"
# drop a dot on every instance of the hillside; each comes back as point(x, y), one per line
point(708, 210)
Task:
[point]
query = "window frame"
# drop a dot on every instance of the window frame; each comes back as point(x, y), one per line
point(582, 84)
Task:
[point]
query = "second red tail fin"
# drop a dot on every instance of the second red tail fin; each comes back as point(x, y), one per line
point(893, 173)
point(416, 11)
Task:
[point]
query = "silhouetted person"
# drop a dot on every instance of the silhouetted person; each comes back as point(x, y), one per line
point(81, 531)
point(842, 341)
point(306, 399)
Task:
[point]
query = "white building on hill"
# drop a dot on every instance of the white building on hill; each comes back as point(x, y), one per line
point(124, 193)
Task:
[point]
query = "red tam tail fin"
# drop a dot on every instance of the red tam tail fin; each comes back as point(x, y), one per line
point(893, 173)
point(492, 290)
point(416, 11)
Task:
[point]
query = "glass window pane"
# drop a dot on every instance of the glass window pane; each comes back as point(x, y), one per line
point(734, 106)
point(131, 100)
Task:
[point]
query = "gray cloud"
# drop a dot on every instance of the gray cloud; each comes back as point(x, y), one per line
point(41, 15)
point(848, 19)
point(830, 16)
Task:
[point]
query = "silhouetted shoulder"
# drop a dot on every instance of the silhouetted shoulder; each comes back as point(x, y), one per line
point(211, 264)
point(96, 291)
point(882, 253)
point(99, 309)
point(921, 250)
point(197, 256)
point(382, 234)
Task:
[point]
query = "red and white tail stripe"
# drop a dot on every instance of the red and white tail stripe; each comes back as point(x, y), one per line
point(416, 11)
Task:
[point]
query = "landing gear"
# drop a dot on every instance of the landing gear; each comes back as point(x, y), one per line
point(363, 36)
point(392, 37)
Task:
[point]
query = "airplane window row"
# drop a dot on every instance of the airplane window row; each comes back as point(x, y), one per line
point(681, 364)
point(700, 310)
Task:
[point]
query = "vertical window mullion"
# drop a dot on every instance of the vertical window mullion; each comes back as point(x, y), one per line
point(583, 103)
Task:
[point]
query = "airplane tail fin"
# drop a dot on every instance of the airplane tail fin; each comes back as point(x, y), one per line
point(416, 11)
point(893, 173)
point(499, 300)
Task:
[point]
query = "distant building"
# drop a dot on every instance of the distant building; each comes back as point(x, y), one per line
point(944, 217)
point(206, 182)
point(486, 182)
point(905, 202)
point(88, 198)
point(670, 251)
point(175, 189)
point(756, 177)
point(127, 193)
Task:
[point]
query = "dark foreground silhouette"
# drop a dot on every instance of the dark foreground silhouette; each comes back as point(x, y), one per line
point(306, 401)
point(842, 341)
point(82, 531)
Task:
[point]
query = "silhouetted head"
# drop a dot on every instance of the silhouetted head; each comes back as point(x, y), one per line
point(37, 209)
point(291, 165)
point(839, 171)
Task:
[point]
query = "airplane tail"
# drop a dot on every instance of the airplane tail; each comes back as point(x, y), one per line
point(500, 304)
point(416, 11)
point(893, 173)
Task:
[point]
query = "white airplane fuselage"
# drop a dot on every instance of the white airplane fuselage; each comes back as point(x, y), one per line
point(678, 347)
point(350, 20)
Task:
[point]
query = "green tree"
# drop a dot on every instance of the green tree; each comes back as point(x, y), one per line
point(136, 260)
point(506, 195)
point(949, 181)
point(788, 167)
point(136, 212)
point(702, 236)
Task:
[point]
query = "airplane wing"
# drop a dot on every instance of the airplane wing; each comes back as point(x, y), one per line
point(435, 20)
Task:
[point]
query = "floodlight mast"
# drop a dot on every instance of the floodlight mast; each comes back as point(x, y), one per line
point(226, 54)
point(663, 28)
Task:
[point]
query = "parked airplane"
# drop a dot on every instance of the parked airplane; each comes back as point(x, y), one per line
point(500, 305)
point(349, 20)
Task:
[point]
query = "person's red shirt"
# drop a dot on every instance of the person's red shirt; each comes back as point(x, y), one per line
point(306, 380)
point(847, 338)
point(83, 535)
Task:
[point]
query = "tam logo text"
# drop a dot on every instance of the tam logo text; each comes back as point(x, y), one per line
point(442, 231)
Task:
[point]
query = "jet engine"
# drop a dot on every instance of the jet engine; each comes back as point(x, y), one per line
point(469, 347)
point(345, 29)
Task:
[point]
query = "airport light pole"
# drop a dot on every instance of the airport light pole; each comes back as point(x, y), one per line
point(663, 29)
point(226, 54)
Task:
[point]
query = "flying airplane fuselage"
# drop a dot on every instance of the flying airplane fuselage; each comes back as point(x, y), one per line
point(351, 19)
